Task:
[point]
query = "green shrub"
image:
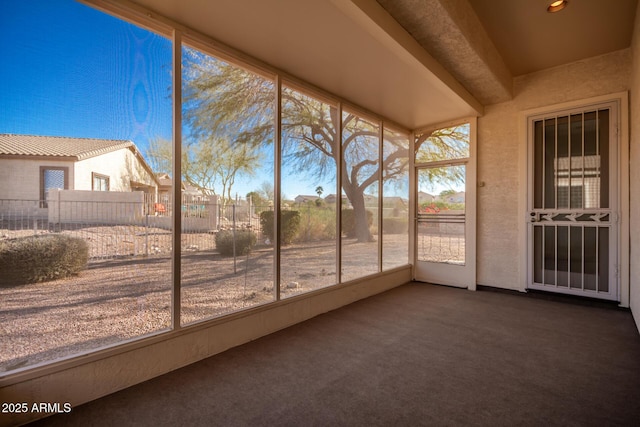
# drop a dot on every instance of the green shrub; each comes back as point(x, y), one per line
point(245, 240)
point(349, 222)
point(395, 225)
point(41, 258)
point(316, 223)
point(289, 228)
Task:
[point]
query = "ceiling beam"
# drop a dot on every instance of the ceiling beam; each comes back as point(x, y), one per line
point(452, 33)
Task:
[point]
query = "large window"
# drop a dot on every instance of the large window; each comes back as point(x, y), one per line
point(227, 198)
point(360, 185)
point(71, 71)
point(310, 147)
point(395, 200)
point(441, 205)
point(106, 83)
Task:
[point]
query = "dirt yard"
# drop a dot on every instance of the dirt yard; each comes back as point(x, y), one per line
point(120, 299)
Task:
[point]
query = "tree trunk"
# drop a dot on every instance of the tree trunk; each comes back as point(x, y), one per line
point(363, 233)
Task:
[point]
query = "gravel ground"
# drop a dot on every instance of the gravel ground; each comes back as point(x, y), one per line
point(120, 299)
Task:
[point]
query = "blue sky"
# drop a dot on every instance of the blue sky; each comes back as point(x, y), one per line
point(61, 63)
point(70, 70)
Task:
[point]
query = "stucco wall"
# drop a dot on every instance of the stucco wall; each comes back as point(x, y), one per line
point(634, 172)
point(120, 166)
point(499, 253)
point(21, 178)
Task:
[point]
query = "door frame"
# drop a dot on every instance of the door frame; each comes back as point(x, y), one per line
point(621, 173)
point(442, 273)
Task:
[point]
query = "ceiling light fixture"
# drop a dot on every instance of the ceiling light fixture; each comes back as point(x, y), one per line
point(557, 6)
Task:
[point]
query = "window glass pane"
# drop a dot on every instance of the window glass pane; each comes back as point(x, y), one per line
point(550, 164)
point(563, 248)
point(80, 82)
point(361, 153)
point(227, 189)
point(53, 179)
point(100, 183)
point(537, 254)
point(576, 256)
point(577, 182)
point(441, 214)
point(590, 258)
point(603, 259)
point(443, 144)
point(395, 202)
point(563, 162)
point(309, 152)
point(550, 254)
point(603, 150)
point(538, 164)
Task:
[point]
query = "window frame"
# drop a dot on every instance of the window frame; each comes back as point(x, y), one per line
point(43, 190)
point(106, 178)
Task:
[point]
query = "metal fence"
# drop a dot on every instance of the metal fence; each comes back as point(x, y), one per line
point(143, 227)
point(126, 229)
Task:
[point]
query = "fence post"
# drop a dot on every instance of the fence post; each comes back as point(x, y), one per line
point(146, 235)
point(59, 207)
point(234, 239)
point(34, 214)
point(308, 223)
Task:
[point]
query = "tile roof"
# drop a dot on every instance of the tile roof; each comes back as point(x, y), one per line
point(55, 146)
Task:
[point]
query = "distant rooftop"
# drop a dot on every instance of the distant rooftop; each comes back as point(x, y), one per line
point(61, 147)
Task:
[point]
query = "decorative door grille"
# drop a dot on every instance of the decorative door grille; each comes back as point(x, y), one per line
point(572, 219)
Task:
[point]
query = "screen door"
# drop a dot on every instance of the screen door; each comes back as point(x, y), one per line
point(445, 207)
point(572, 198)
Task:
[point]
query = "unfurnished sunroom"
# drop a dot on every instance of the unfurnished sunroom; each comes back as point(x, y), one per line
point(466, 150)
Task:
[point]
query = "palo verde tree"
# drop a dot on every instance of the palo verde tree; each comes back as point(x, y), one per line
point(225, 100)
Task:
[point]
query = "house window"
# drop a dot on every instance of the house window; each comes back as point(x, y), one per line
point(99, 182)
point(52, 177)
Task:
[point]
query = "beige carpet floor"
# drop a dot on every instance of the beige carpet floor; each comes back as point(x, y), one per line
point(416, 355)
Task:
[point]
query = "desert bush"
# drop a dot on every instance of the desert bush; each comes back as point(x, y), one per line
point(245, 240)
point(316, 223)
point(41, 258)
point(349, 222)
point(393, 225)
point(289, 228)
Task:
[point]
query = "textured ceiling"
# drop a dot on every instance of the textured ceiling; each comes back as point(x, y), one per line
point(485, 43)
point(417, 62)
point(453, 34)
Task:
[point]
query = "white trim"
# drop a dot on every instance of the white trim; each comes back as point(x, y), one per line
point(620, 103)
point(623, 198)
point(453, 275)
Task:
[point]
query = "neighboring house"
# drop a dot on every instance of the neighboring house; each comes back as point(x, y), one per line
point(32, 165)
point(395, 202)
point(164, 186)
point(370, 200)
point(425, 197)
point(452, 198)
point(305, 199)
point(331, 198)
